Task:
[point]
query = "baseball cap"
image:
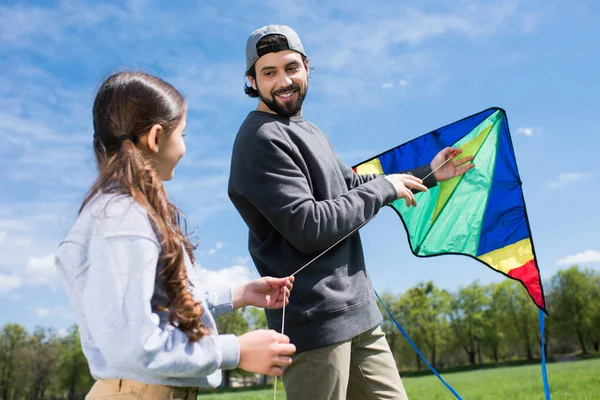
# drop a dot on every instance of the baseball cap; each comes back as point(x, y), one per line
point(253, 54)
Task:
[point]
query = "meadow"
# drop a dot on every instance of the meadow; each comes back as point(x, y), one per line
point(578, 380)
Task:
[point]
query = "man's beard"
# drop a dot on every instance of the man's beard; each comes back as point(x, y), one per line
point(287, 109)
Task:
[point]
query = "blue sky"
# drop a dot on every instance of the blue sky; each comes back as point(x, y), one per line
point(384, 73)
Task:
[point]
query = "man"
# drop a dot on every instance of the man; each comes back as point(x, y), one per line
point(298, 199)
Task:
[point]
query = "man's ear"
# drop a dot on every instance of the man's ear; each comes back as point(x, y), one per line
point(306, 66)
point(151, 138)
point(252, 81)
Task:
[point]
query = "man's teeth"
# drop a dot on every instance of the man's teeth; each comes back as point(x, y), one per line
point(286, 95)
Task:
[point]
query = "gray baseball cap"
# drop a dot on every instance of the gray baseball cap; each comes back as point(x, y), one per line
point(253, 54)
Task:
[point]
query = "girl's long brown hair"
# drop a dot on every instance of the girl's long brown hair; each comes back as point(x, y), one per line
point(130, 103)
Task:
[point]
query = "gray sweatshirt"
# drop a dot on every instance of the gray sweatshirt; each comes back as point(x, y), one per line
point(108, 264)
point(297, 199)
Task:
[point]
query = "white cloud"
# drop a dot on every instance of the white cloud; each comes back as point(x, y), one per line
point(529, 131)
point(40, 271)
point(586, 257)
point(403, 82)
point(568, 178)
point(42, 312)
point(387, 85)
point(9, 283)
point(55, 312)
point(525, 131)
point(215, 249)
point(394, 38)
point(10, 241)
point(223, 278)
point(241, 260)
point(12, 224)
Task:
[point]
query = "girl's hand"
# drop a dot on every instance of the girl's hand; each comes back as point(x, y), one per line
point(265, 352)
point(266, 292)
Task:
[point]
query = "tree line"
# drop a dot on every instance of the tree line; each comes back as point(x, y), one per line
point(475, 325)
point(496, 323)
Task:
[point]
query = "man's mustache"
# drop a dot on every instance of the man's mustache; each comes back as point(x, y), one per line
point(293, 86)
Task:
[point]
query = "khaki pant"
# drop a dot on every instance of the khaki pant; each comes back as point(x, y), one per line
point(123, 389)
point(362, 368)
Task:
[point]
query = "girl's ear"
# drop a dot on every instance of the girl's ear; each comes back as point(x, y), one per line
point(150, 139)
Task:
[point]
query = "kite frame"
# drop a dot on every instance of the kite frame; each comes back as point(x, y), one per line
point(510, 142)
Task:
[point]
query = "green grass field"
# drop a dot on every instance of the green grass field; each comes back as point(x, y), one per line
point(578, 380)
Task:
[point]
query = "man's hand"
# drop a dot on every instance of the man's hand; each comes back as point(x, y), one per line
point(266, 292)
point(403, 183)
point(451, 168)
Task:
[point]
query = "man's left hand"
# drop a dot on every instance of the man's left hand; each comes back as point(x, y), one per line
point(452, 168)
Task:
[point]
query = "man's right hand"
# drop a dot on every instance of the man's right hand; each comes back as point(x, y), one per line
point(265, 352)
point(403, 183)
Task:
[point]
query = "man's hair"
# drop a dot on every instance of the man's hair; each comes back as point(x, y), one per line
point(268, 40)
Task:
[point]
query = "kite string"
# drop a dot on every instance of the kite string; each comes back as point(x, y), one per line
point(282, 330)
point(416, 349)
point(541, 318)
point(453, 154)
point(300, 269)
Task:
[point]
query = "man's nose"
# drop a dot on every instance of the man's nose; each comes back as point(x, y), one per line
point(284, 81)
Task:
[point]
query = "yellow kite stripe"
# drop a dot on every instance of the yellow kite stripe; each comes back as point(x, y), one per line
point(370, 167)
point(509, 257)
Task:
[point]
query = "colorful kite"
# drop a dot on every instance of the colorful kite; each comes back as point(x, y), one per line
point(480, 214)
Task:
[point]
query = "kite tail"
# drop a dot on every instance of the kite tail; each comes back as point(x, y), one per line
point(541, 319)
point(414, 346)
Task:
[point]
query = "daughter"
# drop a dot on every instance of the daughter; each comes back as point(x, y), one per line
point(146, 329)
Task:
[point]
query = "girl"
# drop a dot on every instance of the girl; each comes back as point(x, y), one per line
point(146, 329)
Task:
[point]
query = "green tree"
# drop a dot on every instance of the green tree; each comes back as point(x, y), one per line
point(73, 371)
point(13, 341)
point(425, 308)
point(387, 325)
point(520, 315)
point(493, 317)
point(255, 318)
point(235, 324)
point(404, 355)
point(573, 291)
point(594, 304)
point(467, 319)
point(42, 353)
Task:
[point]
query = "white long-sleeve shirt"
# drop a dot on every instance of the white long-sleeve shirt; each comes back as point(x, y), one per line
point(108, 264)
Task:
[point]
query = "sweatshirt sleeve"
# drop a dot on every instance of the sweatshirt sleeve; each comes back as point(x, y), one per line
point(264, 172)
point(116, 302)
point(352, 178)
point(219, 302)
point(425, 173)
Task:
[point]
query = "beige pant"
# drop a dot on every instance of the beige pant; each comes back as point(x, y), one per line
point(362, 368)
point(122, 389)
